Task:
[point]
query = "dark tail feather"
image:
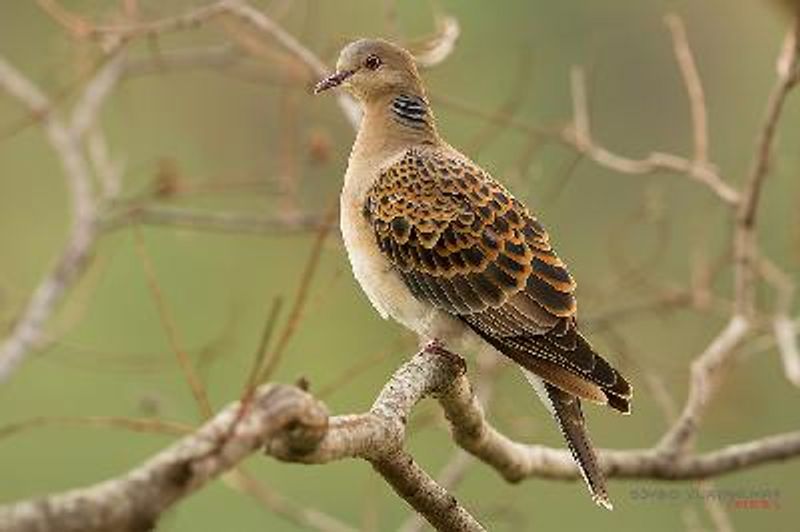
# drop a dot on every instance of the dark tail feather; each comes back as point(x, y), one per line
point(622, 404)
point(568, 414)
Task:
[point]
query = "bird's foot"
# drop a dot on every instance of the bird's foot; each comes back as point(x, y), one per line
point(433, 346)
point(437, 347)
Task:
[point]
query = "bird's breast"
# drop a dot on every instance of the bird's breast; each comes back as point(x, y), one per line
point(379, 280)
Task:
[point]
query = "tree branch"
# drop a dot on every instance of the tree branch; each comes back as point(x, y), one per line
point(215, 221)
point(66, 140)
point(744, 243)
point(694, 87)
point(28, 329)
point(291, 425)
point(135, 501)
point(579, 136)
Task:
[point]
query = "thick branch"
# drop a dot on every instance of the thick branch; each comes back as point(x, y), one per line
point(414, 485)
point(516, 461)
point(526, 461)
point(365, 434)
point(378, 436)
point(291, 425)
point(135, 501)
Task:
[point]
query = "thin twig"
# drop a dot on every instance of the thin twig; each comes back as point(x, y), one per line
point(150, 425)
point(197, 16)
point(171, 329)
point(298, 304)
point(745, 247)
point(214, 221)
point(135, 501)
point(786, 331)
point(705, 375)
point(28, 330)
point(266, 25)
point(579, 136)
point(94, 94)
point(694, 87)
point(284, 506)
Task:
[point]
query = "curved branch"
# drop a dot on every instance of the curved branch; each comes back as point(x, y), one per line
point(579, 136)
point(246, 13)
point(134, 501)
point(28, 331)
point(516, 461)
point(291, 425)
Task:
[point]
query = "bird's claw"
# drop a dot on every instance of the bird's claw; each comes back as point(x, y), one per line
point(437, 347)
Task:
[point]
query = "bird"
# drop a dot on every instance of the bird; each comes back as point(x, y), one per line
point(440, 246)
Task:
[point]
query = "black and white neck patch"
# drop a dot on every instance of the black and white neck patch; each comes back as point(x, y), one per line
point(411, 111)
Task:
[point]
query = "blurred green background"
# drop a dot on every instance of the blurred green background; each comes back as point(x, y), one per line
point(239, 140)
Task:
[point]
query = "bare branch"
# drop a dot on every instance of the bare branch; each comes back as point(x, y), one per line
point(413, 484)
point(217, 56)
point(243, 11)
point(216, 221)
point(291, 425)
point(85, 112)
point(66, 140)
point(362, 435)
point(783, 328)
point(272, 358)
point(436, 48)
point(455, 470)
point(694, 87)
point(135, 501)
point(185, 362)
point(265, 24)
point(705, 374)
point(284, 506)
point(745, 248)
point(579, 136)
point(129, 30)
point(109, 172)
point(28, 330)
point(785, 331)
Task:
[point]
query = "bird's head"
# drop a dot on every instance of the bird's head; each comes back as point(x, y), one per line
point(373, 68)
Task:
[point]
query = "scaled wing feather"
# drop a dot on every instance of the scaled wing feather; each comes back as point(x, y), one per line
point(463, 243)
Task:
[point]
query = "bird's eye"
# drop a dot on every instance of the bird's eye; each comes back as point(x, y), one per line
point(372, 62)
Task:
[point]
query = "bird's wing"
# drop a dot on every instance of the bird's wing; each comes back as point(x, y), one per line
point(464, 244)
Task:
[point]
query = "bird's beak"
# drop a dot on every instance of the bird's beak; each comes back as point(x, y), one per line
point(334, 80)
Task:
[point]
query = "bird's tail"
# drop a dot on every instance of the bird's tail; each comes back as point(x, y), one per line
point(566, 409)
